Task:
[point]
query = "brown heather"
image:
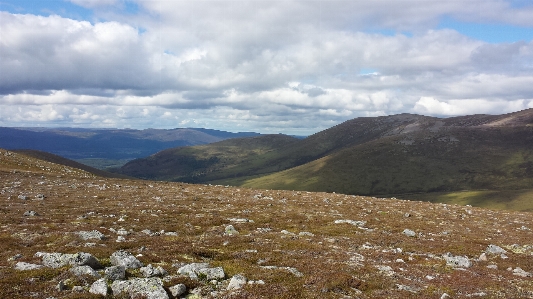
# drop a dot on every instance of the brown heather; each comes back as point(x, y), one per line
point(337, 260)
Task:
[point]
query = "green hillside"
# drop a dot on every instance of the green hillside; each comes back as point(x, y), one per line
point(400, 155)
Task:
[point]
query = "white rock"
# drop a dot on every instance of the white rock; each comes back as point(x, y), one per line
point(236, 282)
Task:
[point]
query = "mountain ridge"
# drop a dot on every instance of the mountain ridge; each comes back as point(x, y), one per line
point(399, 154)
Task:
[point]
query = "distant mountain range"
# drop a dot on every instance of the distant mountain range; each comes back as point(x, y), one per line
point(396, 154)
point(108, 144)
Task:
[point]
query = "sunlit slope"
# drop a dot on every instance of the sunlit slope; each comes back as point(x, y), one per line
point(456, 159)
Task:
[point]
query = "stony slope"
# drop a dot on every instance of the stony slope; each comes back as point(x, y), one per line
point(297, 244)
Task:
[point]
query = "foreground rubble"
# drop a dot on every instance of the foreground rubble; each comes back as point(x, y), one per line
point(91, 237)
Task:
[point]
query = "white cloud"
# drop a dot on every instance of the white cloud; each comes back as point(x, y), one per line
point(291, 66)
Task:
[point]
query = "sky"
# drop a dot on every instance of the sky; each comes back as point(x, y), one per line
point(276, 66)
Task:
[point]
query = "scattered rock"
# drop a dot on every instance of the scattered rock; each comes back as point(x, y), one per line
point(178, 290)
point(88, 235)
point(99, 287)
point(150, 271)
point(236, 282)
point(352, 222)
point(84, 270)
point(212, 273)
point(149, 288)
point(230, 231)
point(196, 270)
point(519, 272)
point(409, 233)
point(30, 213)
point(115, 273)
point(457, 261)
point(78, 289)
point(58, 260)
point(483, 257)
point(40, 196)
point(15, 257)
point(494, 249)
point(123, 258)
point(22, 266)
point(23, 197)
point(306, 234)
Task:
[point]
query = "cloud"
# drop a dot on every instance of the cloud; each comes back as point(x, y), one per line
point(291, 66)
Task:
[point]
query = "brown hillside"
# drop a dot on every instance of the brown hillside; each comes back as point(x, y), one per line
point(290, 244)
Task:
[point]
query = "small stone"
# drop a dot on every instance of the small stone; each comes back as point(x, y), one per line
point(15, 257)
point(178, 290)
point(457, 261)
point(212, 273)
point(61, 286)
point(99, 287)
point(150, 271)
point(352, 222)
point(236, 282)
point(230, 230)
point(30, 214)
point(78, 289)
point(22, 266)
point(88, 235)
point(22, 197)
point(191, 270)
point(409, 232)
point(483, 257)
point(84, 270)
point(445, 296)
point(492, 266)
point(115, 273)
point(120, 239)
point(494, 249)
point(123, 258)
point(149, 288)
point(519, 272)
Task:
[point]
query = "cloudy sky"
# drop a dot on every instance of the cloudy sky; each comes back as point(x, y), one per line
point(276, 66)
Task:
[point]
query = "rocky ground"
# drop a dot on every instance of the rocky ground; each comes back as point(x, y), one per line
point(65, 233)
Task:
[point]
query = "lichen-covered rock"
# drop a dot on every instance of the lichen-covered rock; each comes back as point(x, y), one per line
point(494, 249)
point(115, 273)
point(212, 273)
point(149, 288)
point(99, 287)
point(22, 266)
point(457, 261)
point(84, 270)
point(151, 271)
point(191, 270)
point(409, 232)
point(236, 282)
point(88, 235)
point(230, 230)
point(123, 258)
point(58, 260)
point(178, 290)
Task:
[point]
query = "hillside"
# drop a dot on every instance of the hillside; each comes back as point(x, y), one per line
point(232, 157)
point(104, 148)
point(286, 244)
point(66, 162)
point(390, 155)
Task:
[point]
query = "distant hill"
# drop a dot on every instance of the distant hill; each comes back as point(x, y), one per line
point(44, 156)
point(396, 154)
point(108, 144)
